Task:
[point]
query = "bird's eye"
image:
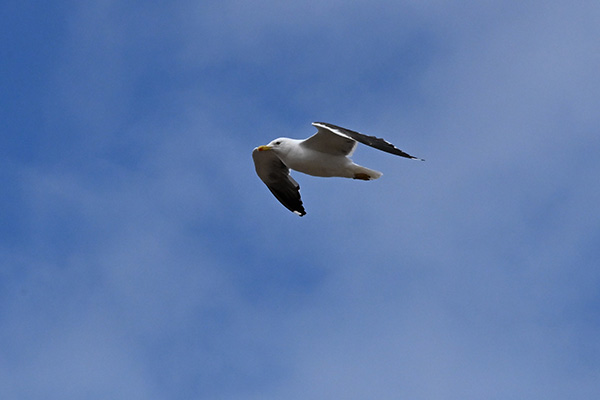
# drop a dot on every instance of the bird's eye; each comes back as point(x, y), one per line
point(278, 142)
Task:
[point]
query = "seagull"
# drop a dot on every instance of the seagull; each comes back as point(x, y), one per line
point(326, 154)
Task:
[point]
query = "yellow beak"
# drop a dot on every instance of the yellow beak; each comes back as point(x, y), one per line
point(263, 148)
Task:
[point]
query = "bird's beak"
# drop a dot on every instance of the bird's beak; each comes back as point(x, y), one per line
point(263, 148)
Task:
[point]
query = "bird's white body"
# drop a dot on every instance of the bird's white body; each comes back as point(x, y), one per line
point(302, 158)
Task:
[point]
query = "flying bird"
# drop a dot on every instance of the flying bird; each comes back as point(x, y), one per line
point(326, 153)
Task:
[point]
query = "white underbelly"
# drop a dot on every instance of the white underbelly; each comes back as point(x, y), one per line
point(326, 167)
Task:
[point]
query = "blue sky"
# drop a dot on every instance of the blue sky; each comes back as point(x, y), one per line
point(142, 258)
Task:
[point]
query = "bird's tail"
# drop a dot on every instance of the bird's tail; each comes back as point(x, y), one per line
point(365, 174)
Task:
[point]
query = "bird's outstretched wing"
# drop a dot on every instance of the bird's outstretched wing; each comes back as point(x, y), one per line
point(330, 142)
point(276, 175)
point(372, 141)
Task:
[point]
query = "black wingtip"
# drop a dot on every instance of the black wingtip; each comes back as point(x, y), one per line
point(300, 213)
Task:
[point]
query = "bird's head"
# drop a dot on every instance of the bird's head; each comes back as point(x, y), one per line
point(275, 145)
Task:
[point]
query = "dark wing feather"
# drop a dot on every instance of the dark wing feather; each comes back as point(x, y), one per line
point(276, 175)
point(372, 141)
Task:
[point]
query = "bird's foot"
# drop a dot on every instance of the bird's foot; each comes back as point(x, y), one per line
point(362, 176)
